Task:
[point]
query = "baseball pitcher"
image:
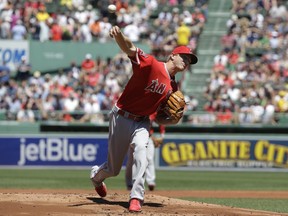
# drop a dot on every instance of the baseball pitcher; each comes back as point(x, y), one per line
point(150, 88)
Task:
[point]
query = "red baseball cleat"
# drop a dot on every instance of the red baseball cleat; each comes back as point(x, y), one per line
point(135, 205)
point(101, 189)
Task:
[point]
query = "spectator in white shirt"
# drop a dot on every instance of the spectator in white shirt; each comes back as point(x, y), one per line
point(132, 31)
point(19, 31)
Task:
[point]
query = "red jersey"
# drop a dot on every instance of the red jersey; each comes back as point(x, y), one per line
point(148, 87)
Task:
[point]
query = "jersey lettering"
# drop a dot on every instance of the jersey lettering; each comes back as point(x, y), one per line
point(160, 89)
point(156, 87)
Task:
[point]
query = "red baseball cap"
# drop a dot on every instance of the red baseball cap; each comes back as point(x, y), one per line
point(187, 51)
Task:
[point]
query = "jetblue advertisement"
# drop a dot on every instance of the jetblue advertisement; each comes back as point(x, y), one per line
point(52, 151)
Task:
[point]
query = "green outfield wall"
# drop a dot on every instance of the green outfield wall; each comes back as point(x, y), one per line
point(50, 56)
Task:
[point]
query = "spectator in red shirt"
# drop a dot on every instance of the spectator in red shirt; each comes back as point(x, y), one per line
point(224, 115)
point(56, 32)
point(233, 59)
point(228, 41)
point(66, 90)
point(92, 78)
point(88, 65)
point(198, 15)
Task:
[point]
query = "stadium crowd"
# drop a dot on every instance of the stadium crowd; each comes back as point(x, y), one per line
point(248, 82)
point(82, 91)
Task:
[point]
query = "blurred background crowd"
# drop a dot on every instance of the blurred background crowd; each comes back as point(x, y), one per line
point(249, 74)
point(247, 83)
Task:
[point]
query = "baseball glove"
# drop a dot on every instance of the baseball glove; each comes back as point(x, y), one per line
point(157, 141)
point(173, 110)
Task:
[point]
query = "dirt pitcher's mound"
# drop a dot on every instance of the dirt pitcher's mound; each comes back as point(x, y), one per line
point(59, 203)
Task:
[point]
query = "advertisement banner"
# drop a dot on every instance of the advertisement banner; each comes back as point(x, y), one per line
point(180, 152)
point(12, 51)
point(224, 153)
point(52, 151)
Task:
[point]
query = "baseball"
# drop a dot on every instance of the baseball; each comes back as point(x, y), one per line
point(111, 8)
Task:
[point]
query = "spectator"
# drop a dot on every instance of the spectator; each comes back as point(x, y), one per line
point(69, 32)
point(192, 103)
point(245, 115)
point(85, 33)
point(183, 34)
point(151, 5)
point(228, 41)
point(25, 114)
point(165, 16)
point(42, 15)
point(19, 31)
point(7, 11)
point(3, 91)
point(56, 31)
point(23, 70)
point(66, 90)
point(187, 19)
point(74, 70)
point(35, 29)
point(105, 27)
point(92, 110)
point(257, 111)
point(112, 83)
point(60, 77)
point(13, 107)
point(233, 58)
point(123, 18)
point(5, 28)
point(70, 105)
point(4, 73)
point(275, 40)
point(132, 31)
point(91, 14)
point(88, 64)
point(77, 3)
point(36, 79)
point(95, 28)
point(15, 16)
point(3, 4)
point(81, 15)
point(67, 3)
point(93, 79)
point(44, 31)
point(224, 116)
point(269, 113)
point(221, 59)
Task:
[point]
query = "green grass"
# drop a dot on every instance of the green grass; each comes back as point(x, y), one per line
point(222, 180)
point(172, 180)
point(274, 205)
point(166, 180)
